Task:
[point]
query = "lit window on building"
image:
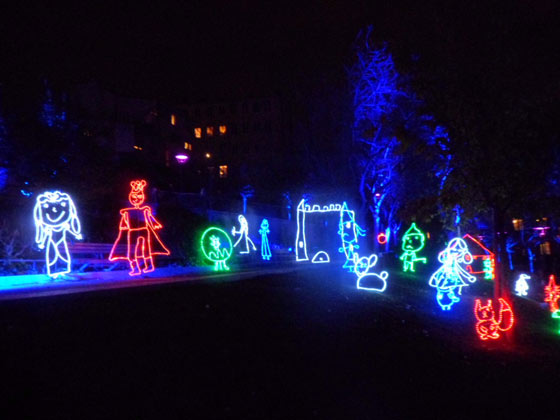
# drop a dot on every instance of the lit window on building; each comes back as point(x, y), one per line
point(517, 224)
point(198, 132)
point(223, 171)
point(223, 130)
point(209, 131)
point(544, 247)
point(173, 119)
point(188, 146)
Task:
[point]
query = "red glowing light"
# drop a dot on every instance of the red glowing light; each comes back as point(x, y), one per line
point(488, 260)
point(488, 325)
point(552, 293)
point(382, 238)
point(137, 229)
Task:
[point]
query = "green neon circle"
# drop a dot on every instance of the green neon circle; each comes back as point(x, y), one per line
point(206, 233)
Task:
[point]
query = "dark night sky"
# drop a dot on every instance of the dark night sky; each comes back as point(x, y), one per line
point(175, 49)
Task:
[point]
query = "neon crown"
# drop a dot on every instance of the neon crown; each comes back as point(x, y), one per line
point(138, 186)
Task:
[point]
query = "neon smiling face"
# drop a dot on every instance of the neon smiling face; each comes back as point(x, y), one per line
point(56, 209)
point(136, 198)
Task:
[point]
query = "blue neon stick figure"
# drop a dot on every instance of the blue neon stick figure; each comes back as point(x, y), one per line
point(265, 246)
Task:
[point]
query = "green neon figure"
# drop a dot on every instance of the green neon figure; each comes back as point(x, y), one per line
point(412, 242)
point(211, 243)
point(556, 315)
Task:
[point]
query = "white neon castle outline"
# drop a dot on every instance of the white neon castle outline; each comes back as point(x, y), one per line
point(348, 244)
point(302, 210)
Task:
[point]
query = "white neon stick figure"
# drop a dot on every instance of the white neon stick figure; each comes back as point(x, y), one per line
point(521, 285)
point(243, 233)
point(54, 215)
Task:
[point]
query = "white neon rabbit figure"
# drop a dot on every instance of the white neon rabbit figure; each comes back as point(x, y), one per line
point(243, 233)
point(366, 280)
point(54, 215)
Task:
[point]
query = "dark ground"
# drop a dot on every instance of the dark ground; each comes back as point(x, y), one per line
point(303, 345)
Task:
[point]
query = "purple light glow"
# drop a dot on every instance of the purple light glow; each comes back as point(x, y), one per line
point(181, 158)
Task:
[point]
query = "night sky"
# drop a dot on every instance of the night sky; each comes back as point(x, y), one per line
point(175, 50)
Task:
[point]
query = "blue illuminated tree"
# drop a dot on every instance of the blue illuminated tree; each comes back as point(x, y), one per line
point(51, 113)
point(392, 138)
point(375, 84)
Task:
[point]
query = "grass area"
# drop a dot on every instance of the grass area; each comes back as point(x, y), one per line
point(298, 345)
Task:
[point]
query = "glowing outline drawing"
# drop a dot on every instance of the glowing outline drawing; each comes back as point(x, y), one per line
point(218, 256)
point(451, 275)
point(361, 269)
point(51, 234)
point(348, 230)
point(552, 293)
point(265, 246)
point(410, 249)
point(488, 326)
point(137, 229)
point(488, 260)
point(243, 233)
point(521, 285)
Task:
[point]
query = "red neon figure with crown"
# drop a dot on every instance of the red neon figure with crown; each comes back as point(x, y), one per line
point(137, 229)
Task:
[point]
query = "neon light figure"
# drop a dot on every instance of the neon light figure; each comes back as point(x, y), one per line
point(383, 237)
point(54, 215)
point(552, 293)
point(243, 233)
point(265, 246)
point(349, 231)
point(412, 242)
point(489, 325)
point(366, 280)
point(301, 243)
point(211, 243)
point(483, 254)
point(521, 285)
point(556, 315)
point(137, 229)
point(451, 275)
